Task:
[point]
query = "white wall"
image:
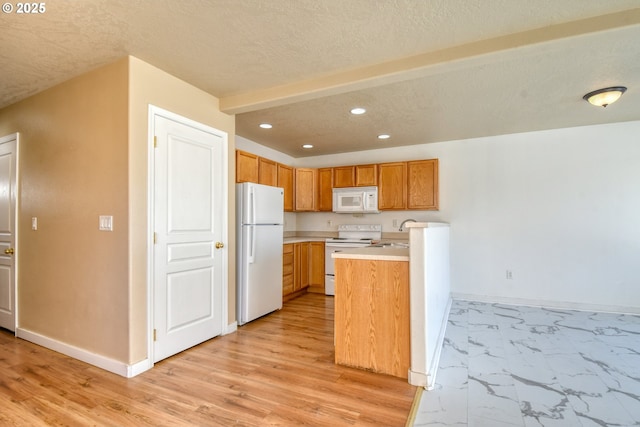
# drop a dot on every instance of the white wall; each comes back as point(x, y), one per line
point(559, 208)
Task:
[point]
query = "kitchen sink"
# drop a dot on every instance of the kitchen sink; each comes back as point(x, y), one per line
point(391, 245)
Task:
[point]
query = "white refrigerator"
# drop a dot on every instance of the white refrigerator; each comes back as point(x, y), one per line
point(260, 219)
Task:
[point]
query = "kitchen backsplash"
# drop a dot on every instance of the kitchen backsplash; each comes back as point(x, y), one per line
point(329, 221)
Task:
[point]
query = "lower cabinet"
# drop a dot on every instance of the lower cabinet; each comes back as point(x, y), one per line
point(301, 266)
point(302, 269)
point(316, 267)
point(371, 324)
point(287, 269)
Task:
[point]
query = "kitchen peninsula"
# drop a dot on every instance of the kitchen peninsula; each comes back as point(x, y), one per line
point(372, 329)
point(392, 305)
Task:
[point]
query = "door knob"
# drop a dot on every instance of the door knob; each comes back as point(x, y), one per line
point(219, 245)
point(9, 251)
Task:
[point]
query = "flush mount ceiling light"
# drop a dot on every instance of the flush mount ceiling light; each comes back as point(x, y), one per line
point(266, 125)
point(384, 136)
point(604, 97)
point(307, 146)
point(358, 110)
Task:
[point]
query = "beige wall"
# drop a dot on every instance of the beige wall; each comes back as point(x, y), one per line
point(84, 153)
point(73, 167)
point(149, 85)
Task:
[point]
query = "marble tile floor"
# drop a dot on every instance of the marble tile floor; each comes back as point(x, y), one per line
point(507, 365)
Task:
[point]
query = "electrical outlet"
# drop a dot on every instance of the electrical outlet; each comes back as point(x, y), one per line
point(509, 275)
point(34, 223)
point(395, 223)
point(329, 223)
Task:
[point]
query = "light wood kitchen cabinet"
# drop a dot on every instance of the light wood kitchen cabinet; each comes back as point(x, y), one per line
point(302, 268)
point(267, 172)
point(306, 191)
point(316, 267)
point(392, 186)
point(366, 175)
point(371, 322)
point(295, 269)
point(247, 166)
point(422, 184)
point(355, 176)
point(301, 261)
point(343, 176)
point(325, 189)
point(411, 185)
point(285, 180)
point(287, 269)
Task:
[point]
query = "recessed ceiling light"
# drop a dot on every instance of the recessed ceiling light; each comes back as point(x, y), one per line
point(358, 110)
point(307, 146)
point(266, 125)
point(384, 136)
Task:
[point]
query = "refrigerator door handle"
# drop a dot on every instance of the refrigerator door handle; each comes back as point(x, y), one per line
point(252, 208)
point(252, 245)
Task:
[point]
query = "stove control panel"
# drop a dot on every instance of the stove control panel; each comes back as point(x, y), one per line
point(360, 227)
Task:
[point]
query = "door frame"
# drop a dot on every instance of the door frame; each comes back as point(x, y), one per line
point(159, 112)
point(16, 210)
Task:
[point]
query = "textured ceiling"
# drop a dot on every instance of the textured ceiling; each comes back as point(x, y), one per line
point(426, 70)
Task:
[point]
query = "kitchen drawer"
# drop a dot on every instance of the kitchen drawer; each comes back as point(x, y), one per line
point(287, 284)
point(287, 258)
point(287, 268)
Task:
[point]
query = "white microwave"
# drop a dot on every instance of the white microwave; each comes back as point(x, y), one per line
point(355, 200)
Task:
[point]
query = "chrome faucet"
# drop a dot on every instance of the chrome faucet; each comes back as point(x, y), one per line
point(404, 222)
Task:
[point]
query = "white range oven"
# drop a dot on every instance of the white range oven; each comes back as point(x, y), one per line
point(349, 236)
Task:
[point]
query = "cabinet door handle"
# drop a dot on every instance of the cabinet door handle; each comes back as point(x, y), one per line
point(9, 251)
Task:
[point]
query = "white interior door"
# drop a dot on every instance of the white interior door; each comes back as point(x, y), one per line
point(189, 223)
point(8, 180)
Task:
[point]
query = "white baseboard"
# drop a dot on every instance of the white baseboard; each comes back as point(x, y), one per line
point(106, 363)
point(231, 328)
point(566, 305)
point(418, 379)
point(435, 363)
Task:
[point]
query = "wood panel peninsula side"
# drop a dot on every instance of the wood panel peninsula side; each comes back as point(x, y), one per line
point(392, 304)
point(372, 328)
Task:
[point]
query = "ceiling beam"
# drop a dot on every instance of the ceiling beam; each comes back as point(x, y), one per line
point(420, 65)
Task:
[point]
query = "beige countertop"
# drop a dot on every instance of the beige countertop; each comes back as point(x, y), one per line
point(299, 239)
point(386, 253)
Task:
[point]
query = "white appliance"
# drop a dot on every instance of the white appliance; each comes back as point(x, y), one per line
point(355, 199)
point(349, 236)
point(260, 219)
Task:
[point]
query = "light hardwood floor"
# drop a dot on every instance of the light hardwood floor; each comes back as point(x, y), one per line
point(277, 370)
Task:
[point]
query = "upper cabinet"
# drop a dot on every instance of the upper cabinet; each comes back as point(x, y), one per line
point(246, 167)
point(366, 175)
point(252, 168)
point(285, 180)
point(325, 189)
point(422, 184)
point(408, 185)
point(392, 186)
point(267, 172)
point(344, 176)
point(306, 191)
point(355, 176)
point(401, 185)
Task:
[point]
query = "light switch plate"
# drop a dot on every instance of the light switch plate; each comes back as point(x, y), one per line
point(106, 223)
point(34, 223)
